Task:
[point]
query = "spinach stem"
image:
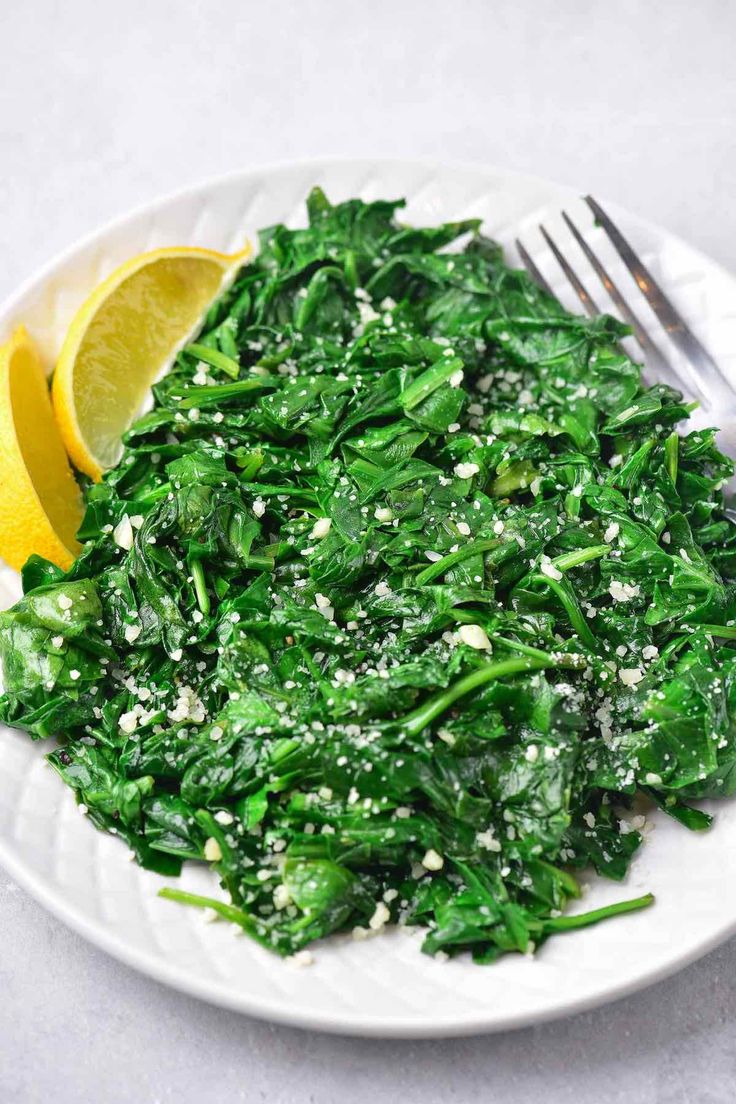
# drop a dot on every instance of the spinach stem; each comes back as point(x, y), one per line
point(579, 556)
point(215, 359)
point(585, 919)
point(439, 567)
point(258, 563)
point(517, 646)
point(200, 586)
point(414, 722)
point(571, 607)
point(672, 455)
point(228, 912)
point(726, 632)
point(214, 395)
point(422, 387)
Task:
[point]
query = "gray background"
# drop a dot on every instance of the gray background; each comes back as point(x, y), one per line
point(105, 106)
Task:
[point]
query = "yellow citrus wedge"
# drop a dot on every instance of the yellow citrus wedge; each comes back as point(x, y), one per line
point(40, 503)
point(123, 337)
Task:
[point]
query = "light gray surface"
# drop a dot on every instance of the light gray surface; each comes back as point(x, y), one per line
point(103, 107)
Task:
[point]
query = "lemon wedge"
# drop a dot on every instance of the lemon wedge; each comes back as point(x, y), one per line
point(123, 337)
point(40, 503)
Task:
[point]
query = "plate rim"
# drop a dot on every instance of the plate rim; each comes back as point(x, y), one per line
point(211, 991)
point(320, 162)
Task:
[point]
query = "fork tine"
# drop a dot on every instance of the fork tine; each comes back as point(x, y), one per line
point(580, 290)
point(671, 319)
point(655, 357)
point(532, 269)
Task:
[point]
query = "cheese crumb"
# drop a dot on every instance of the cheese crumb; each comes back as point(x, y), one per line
point(466, 471)
point(548, 568)
point(324, 606)
point(122, 534)
point(630, 675)
point(128, 722)
point(212, 850)
point(321, 528)
point(432, 861)
point(281, 897)
point(487, 839)
point(380, 917)
point(475, 637)
point(623, 592)
point(301, 958)
point(132, 632)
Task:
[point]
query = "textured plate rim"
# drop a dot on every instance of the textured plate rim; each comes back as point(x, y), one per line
point(212, 992)
point(368, 1026)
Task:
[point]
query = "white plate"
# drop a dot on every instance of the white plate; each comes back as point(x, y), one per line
point(384, 986)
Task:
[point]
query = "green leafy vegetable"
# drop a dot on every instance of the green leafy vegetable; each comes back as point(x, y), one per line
point(402, 596)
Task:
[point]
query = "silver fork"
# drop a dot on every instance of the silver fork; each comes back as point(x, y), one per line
point(704, 380)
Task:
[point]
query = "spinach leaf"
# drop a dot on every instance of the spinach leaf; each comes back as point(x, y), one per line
point(402, 599)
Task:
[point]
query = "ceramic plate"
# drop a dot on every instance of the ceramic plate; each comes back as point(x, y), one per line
point(385, 986)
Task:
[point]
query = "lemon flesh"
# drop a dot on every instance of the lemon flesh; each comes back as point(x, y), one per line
point(121, 340)
point(40, 502)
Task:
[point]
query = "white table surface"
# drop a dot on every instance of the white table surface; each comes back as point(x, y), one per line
point(104, 106)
